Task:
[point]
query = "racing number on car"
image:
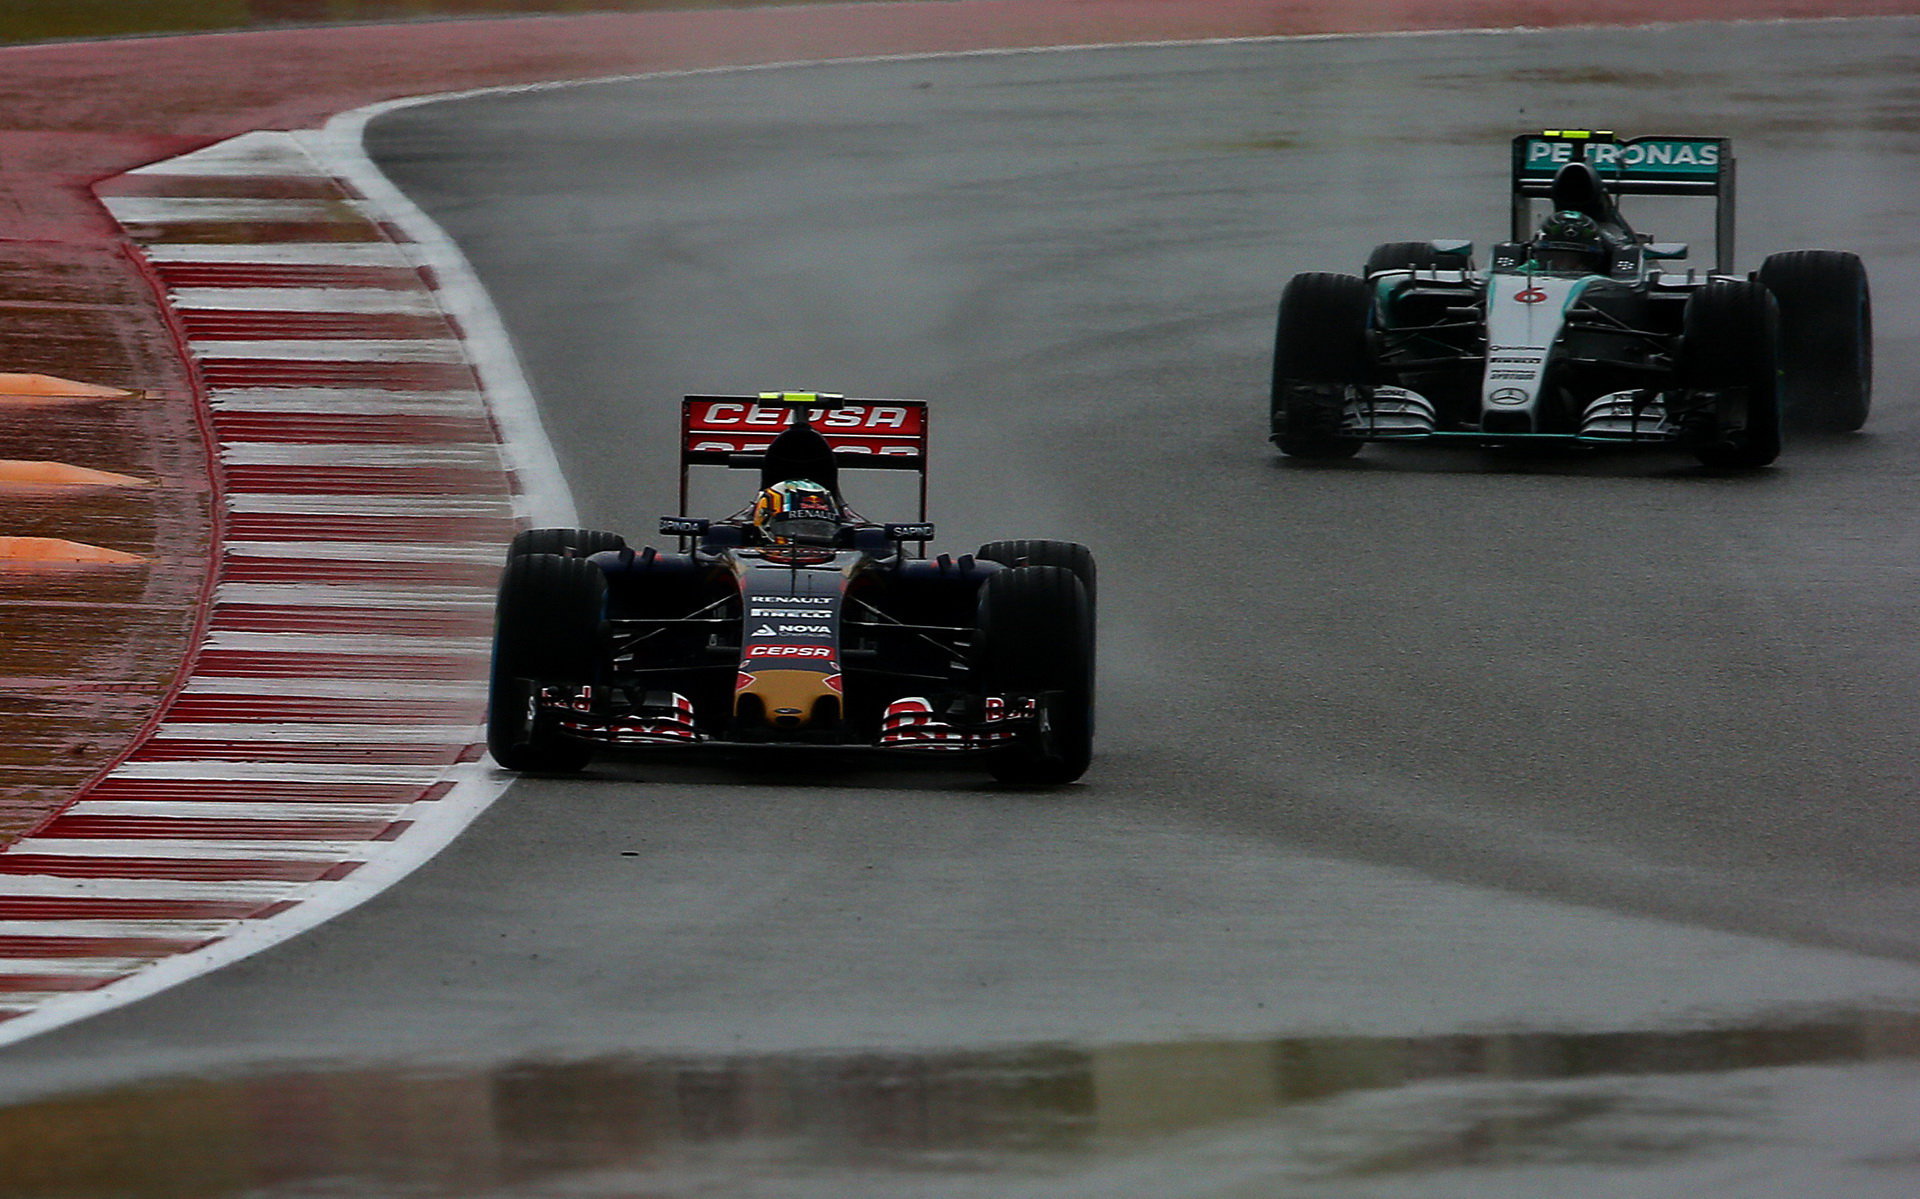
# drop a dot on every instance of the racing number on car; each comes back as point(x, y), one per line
point(1532, 295)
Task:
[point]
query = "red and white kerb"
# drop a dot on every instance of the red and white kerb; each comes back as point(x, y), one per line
point(325, 739)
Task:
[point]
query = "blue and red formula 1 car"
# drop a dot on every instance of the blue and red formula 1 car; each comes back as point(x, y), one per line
point(796, 621)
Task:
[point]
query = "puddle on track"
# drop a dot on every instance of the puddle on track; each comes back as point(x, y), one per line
point(1342, 1111)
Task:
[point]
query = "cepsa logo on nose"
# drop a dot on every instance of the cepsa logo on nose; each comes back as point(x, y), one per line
point(790, 651)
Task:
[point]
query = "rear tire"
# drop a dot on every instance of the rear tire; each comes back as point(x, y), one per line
point(1071, 555)
point(1727, 346)
point(1407, 256)
point(548, 631)
point(1035, 637)
point(568, 543)
point(1826, 337)
point(1319, 352)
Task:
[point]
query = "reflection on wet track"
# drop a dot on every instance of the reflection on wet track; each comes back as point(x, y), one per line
point(1034, 1111)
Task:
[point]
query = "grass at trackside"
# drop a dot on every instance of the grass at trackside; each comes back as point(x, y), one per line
point(51, 20)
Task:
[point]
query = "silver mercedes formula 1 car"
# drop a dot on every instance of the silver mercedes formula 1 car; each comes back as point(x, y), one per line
point(795, 621)
point(1581, 329)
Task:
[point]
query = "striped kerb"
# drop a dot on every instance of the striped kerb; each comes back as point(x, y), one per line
point(367, 500)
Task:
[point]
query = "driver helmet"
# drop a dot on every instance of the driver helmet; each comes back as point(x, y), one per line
point(797, 512)
point(1570, 241)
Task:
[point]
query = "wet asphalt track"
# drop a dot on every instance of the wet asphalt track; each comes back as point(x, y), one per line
point(1426, 749)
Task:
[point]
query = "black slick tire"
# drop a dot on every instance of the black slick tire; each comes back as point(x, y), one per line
point(1035, 638)
point(568, 543)
point(548, 631)
point(1406, 256)
point(1727, 349)
point(1319, 351)
point(1069, 554)
point(1826, 338)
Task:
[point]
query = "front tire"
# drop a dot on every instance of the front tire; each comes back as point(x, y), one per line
point(548, 631)
point(1035, 637)
point(1068, 554)
point(1728, 358)
point(1319, 354)
point(1826, 337)
point(1406, 256)
point(568, 543)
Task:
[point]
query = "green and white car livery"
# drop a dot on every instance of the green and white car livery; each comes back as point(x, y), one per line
point(1629, 347)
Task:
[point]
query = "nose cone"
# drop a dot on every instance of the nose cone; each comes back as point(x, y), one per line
point(786, 699)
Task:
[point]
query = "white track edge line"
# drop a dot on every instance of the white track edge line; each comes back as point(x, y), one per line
point(544, 493)
point(435, 825)
point(338, 146)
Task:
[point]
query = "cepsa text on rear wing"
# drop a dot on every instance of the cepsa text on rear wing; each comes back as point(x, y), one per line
point(864, 434)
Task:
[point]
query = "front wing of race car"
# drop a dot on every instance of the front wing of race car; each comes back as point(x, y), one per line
point(1396, 414)
point(911, 724)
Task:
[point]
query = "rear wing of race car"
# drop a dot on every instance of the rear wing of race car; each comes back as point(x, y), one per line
point(1640, 166)
point(735, 431)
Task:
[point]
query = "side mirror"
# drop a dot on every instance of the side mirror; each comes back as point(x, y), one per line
point(1452, 247)
point(917, 532)
point(869, 540)
point(1667, 249)
point(723, 536)
point(683, 526)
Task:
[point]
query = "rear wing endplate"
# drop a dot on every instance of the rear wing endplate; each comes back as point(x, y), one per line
point(1660, 165)
point(865, 434)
